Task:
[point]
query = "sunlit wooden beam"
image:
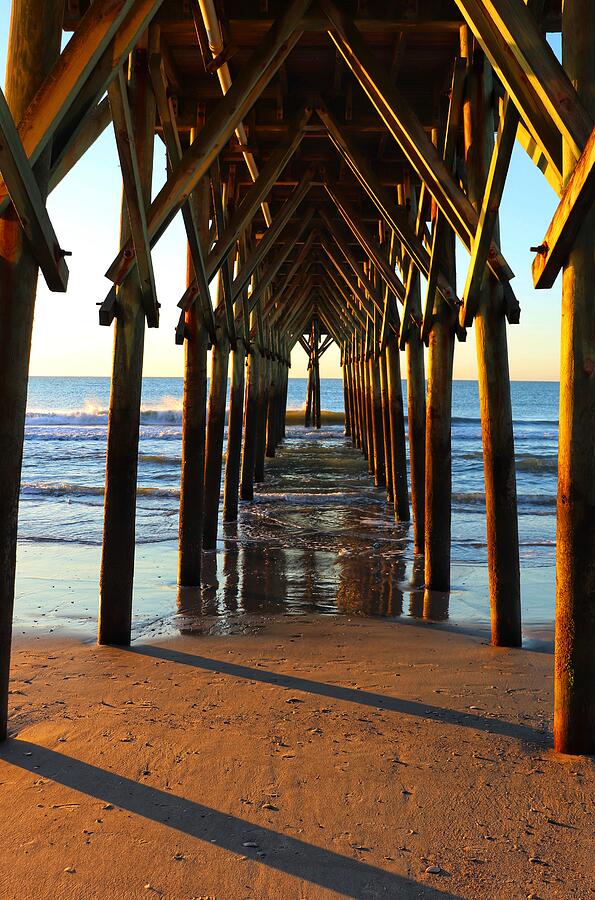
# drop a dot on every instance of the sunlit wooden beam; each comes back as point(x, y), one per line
point(221, 124)
point(28, 202)
point(576, 202)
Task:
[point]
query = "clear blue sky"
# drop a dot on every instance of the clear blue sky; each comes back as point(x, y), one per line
point(85, 211)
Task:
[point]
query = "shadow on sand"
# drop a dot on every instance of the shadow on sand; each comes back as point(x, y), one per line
point(524, 733)
point(283, 853)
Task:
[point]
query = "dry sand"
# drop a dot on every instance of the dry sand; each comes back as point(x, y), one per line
point(317, 758)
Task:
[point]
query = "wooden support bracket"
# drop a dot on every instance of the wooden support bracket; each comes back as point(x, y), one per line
point(28, 202)
point(576, 201)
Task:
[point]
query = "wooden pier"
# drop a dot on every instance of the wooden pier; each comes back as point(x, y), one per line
point(326, 157)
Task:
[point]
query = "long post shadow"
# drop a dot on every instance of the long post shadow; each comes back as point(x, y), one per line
point(439, 714)
point(283, 853)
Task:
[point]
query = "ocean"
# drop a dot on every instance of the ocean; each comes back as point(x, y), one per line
point(318, 538)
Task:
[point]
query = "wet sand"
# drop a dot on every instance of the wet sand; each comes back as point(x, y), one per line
point(314, 757)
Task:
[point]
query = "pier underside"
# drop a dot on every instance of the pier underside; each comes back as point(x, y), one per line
point(326, 158)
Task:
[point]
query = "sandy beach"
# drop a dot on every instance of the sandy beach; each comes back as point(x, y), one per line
point(313, 758)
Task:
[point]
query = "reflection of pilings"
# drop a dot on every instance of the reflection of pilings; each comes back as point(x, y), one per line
point(416, 596)
point(436, 605)
point(231, 572)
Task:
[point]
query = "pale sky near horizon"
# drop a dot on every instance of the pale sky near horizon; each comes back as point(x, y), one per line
point(85, 211)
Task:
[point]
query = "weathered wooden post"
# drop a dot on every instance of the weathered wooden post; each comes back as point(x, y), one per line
point(493, 376)
point(438, 421)
point(215, 434)
point(416, 403)
point(386, 433)
point(398, 453)
point(367, 400)
point(271, 411)
point(117, 559)
point(194, 408)
point(234, 432)
point(574, 697)
point(317, 410)
point(346, 400)
point(250, 420)
point(33, 47)
point(261, 413)
point(376, 416)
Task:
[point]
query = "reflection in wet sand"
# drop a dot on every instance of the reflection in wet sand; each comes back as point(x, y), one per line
point(324, 542)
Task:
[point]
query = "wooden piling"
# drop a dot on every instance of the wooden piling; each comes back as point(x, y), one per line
point(416, 395)
point(574, 697)
point(317, 409)
point(346, 400)
point(494, 378)
point(368, 408)
point(33, 47)
point(386, 431)
point(117, 559)
point(234, 433)
point(376, 418)
point(194, 416)
point(215, 437)
point(398, 453)
point(261, 412)
point(250, 423)
point(271, 411)
point(438, 429)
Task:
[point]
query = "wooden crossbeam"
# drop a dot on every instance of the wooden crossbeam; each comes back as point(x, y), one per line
point(90, 60)
point(409, 133)
point(133, 192)
point(492, 197)
point(533, 150)
point(441, 225)
point(28, 202)
point(346, 292)
point(173, 147)
point(279, 258)
point(357, 291)
point(227, 114)
point(394, 216)
point(226, 275)
point(90, 129)
point(527, 65)
point(272, 233)
point(369, 244)
point(247, 209)
point(412, 302)
point(306, 347)
point(576, 202)
point(340, 238)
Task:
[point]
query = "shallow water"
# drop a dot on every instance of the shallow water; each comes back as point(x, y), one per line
point(319, 536)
